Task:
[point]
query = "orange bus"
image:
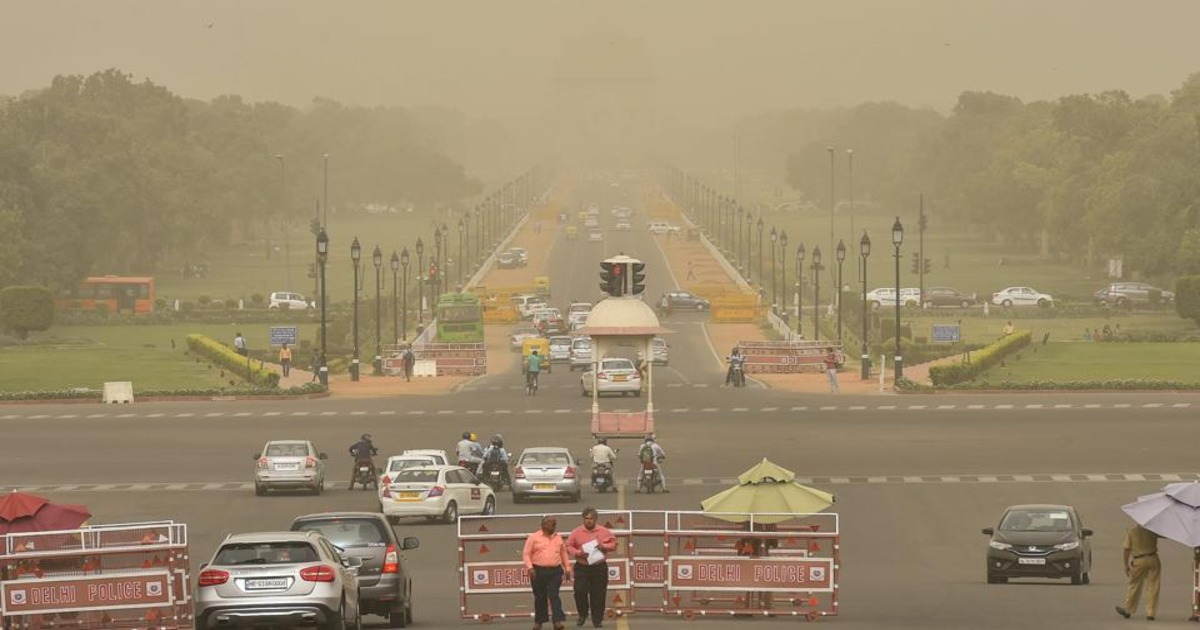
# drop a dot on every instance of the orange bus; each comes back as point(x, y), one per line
point(122, 294)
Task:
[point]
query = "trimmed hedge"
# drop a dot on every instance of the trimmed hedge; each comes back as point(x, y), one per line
point(226, 358)
point(1187, 297)
point(981, 361)
point(97, 395)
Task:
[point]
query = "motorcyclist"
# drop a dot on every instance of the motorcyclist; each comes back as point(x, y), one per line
point(469, 452)
point(735, 358)
point(495, 456)
point(603, 455)
point(363, 452)
point(652, 454)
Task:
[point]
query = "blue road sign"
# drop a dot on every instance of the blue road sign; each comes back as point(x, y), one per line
point(283, 334)
point(945, 333)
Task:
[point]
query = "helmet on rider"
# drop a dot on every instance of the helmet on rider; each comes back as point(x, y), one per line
point(533, 351)
point(649, 437)
point(736, 350)
point(602, 441)
point(366, 436)
point(497, 440)
point(474, 437)
point(466, 435)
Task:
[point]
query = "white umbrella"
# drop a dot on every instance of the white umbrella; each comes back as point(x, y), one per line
point(1173, 513)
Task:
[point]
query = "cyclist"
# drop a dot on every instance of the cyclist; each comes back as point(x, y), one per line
point(533, 366)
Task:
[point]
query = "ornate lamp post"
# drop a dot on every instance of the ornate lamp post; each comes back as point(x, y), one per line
point(816, 269)
point(395, 296)
point(737, 240)
point(377, 258)
point(760, 241)
point(420, 283)
point(774, 292)
point(478, 234)
point(462, 227)
point(404, 293)
point(322, 258)
point(435, 283)
point(444, 266)
point(897, 239)
point(466, 219)
point(783, 271)
point(864, 250)
point(841, 258)
point(749, 223)
point(800, 290)
point(355, 256)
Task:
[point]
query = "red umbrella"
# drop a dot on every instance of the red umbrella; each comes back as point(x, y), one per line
point(15, 505)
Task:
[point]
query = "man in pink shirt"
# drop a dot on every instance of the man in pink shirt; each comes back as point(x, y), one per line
point(546, 561)
point(591, 569)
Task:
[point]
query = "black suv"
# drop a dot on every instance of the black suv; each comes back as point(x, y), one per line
point(946, 296)
point(1041, 541)
point(385, 586)
point(687, 301)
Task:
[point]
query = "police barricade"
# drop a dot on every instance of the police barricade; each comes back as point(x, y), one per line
point(786, 357)
point(104, 576)
point(774, 565)
point(500, 313)
point(622, 424)
point(493, 583)
point(452, 359)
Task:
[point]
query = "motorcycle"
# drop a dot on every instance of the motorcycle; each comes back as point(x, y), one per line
point(602, 477)
point(739, 374)
point(364, 475)
point(495, 474)
point(648, 479)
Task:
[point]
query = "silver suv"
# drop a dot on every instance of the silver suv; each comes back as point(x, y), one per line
point(384, 583)
point(289, 464)
point(278, 578)
point(581, 353)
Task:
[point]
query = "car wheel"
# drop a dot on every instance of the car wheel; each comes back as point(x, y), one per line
point(1043, 303)
point(995, 579)
point(338, 620)
point(259, 490)
point(451, 513)
point(489, 506)
point(517, 498)
point(1087, 577)
point(699, 307)
point(1077, 578)
point(637, 394)
point(928, 304)
point(319, 487)
point(1006, 303)
point(576, 497)
point(965, 304)
point(584, 392)
point(398, 618)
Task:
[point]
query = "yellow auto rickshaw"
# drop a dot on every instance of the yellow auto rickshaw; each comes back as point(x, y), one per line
point(543, 349)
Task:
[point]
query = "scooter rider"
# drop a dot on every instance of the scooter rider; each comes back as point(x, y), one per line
point(735, 358)
point(495, 455)
point(363, 452)
point(469, 452)
point(653, 454)
point(602, 453)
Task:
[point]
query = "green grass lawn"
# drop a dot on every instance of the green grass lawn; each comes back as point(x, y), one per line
point(976, 329)
point(87, 356)
point(1079, 361)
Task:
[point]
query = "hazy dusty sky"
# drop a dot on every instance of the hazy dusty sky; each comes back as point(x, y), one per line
point(712, 60)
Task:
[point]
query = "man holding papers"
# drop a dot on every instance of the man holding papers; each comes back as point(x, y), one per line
point(589, 545)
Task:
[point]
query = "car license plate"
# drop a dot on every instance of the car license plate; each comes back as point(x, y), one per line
point(287, 466)
point(1031, 561)
point(543, 486)
point(408, 496)
point(266, 583)
point(620, 377)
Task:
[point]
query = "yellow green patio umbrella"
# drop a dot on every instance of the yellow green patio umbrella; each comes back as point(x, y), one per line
point(767, 488)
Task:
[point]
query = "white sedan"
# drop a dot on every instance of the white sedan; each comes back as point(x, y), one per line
point(396, 463)
point(436, 492)
point(616, 375)
point(1021, 296)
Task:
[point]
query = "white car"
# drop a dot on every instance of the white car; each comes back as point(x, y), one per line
point(581, 353)
point(1021, 296)
point(396, 463)
point(285, 299)
point(522, 255)
point(516, 338)
point(661, 227)
point(595, 236)
point(616, 375)
point(622, 224)
point(436, 492)
point(440, 458)
point(886, 297)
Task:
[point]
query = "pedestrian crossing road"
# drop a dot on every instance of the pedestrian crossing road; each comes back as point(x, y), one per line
point(700, 481)
point(586, 410)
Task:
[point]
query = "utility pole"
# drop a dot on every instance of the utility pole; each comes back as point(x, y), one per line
point(921, 250)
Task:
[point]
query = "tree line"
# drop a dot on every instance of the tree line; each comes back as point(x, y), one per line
point(1080, 179)
point(102, 174)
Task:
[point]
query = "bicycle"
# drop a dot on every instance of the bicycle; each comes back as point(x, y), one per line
point(531, 383)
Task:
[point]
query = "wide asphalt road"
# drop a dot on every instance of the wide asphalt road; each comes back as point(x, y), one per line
point(916, 477)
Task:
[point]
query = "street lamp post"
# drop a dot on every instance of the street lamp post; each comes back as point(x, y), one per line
point(462, 227)
point(783, 271)
point(444, 267)
point(749, 224)
point(737, 241)
point(325, 196)
point(283, 222)
point(404, 294)
point(816, 268)
point(355, 256)
point(800, 290)
point(832, 193)
point(377, 258)
point(774, 292)
point(841, 258)
point(395, 296)
point(467, 226)
point(437, 260)
point(420, 283)
point(322, 258)
point(897, 239)
point(760, 241)
point(864, 250)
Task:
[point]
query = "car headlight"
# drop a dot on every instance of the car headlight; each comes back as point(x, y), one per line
point(995, 544)
point(1067, 546)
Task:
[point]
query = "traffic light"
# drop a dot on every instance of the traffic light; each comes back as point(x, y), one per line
point(637, 279)
point(314, 226)
point(916, 263)
point(923, 222)
point(610, 278)
point(928, 265)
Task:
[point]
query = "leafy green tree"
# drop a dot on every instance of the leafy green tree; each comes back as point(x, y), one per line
point(24, 309)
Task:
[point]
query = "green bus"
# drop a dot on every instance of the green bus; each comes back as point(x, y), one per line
point(459, 318)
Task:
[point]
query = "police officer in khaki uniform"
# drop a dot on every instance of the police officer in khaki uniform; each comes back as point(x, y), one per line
point(1140, 556)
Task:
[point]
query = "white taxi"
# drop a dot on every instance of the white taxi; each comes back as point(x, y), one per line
point(436, 492)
